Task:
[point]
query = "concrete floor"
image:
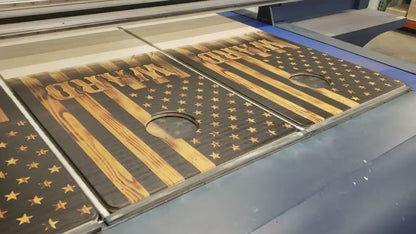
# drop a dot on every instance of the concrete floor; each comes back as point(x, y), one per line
point(400, 44)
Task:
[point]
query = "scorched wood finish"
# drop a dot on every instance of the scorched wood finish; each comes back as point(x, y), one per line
point(260, 66)
point(36, 193)
point(98, 114)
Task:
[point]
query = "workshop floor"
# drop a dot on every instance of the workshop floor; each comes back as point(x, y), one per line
point(399, 44)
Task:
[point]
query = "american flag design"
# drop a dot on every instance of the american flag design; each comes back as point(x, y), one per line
point(98, 113)
point(260, 66)
point(37, 194)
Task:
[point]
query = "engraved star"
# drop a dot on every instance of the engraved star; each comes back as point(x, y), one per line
point(269, 123)
point(215, 92)
point(12, 161)
point(271, 133)
point(215, 144)
point(215, 115)
point(214, 133)
point(3, 145)
point(367, 94)
point(230, 94)
point(250, 112)
point(3, 175)
point(85, 210)
point(232, 117)
point(286, 125)
point(198, 131)
point(251, 120)
point(152, 90)
point(334, 89)
point(234, 136)
point(184, 88)
point(377, 89)
point(235, 147)
point(232, 109)
point(372, 83)
point(23, 180)
point(231, 101)
point(68, 188)
point(214, 99)
point(214, 155)
point(147, 104)
point(60, 205)
point(254, 140)
point(199, 90)
point(167, 92)
point(149, 97)
point(180, 110)
point(41, 152)
point(31, 137)
point(183, 95)
point(387, 84)
point(182, 102)
point(251, 129)
point(22, 148)
point(198, 112)
point(265, 114)
point(355, 98)
point(215, 124)
point(215, 86)
point(45, 184)
point(247, 104)
point(133, 94)
point(195, 141)
point(214, 107)
point(200, 83)
point(52, 224)
point(12, 196)
point(21, 123)
point(198, 104)
point(233, 126)
point(36, 200)
point(169, 86)
point(54, 169)
point(165, 99)
point(24, 219)
point(2, 213)
point(12, 133)
point(199, 97)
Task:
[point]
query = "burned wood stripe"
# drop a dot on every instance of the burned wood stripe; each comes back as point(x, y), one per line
point(255, 88)
point(3, 116)
point(141, 150)
point(328, 93)
point(279, 85)
point(181, 146)
point(115, 172)
point(160, 61)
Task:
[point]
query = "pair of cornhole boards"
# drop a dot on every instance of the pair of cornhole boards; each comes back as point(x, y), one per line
point(146, 112)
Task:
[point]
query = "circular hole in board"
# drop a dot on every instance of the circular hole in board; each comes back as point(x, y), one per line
point(310, 80)
point(170, 124)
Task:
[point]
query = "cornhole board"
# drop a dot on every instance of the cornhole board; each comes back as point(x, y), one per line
point(260, 66)
point(98, 93)
point(37, 193)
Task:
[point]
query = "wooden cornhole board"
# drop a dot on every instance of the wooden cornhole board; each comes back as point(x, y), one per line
point(260, 66)
point(95, 93)
point(37, 193)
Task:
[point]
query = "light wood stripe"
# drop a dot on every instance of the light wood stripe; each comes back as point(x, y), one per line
point(181, 146)
point(141, 150)
point(3, 116)
point(115, 172)
point(328, 93)
point(315, 118)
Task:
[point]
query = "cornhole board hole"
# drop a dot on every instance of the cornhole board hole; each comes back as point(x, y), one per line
point(307, 87)
point(37, 193)
point(140, 127)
